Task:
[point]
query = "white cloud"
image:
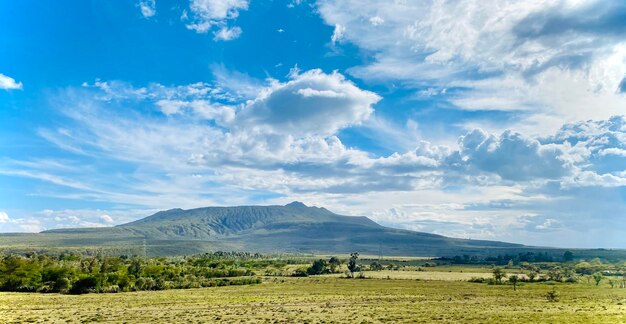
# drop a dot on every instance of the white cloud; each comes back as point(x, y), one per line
point(218, 9)
point(207, 14)
point(613, 151)
point(338, 33)
point(31, 228)
point(311, 103)
point(37, 221)
point(590, 178)
point(512, 156)
point(226, 34)
point(375, 21)
point(148, 8)
point(239, 85)
point(8, 83)
point(222, 114)
point(106, 218)
point(4, 217)
point(550, 59)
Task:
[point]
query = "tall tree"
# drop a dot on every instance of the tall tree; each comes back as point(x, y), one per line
point(498, 274)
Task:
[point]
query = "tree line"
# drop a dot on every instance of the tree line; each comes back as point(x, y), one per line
point(78, 274)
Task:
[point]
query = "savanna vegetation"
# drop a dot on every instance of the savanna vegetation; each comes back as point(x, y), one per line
point(325, 299)
point(77, 274)
point(307, 288)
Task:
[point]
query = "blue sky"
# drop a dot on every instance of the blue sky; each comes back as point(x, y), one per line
point(482, 119)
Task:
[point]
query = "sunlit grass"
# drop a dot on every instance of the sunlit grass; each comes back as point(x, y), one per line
point(326, 299)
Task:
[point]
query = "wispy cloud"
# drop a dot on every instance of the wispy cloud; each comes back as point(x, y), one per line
point(550, 59)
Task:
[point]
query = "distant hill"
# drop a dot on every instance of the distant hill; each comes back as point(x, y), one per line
point(293, 228)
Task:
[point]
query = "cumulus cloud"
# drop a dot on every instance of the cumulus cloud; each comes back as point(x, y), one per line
point(209, 14)
point(512, 156)
point(8, 83)
point(311, 103)
point(148, 8)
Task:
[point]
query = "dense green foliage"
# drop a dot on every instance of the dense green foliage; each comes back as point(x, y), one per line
point(77, 274)
point(352, 264)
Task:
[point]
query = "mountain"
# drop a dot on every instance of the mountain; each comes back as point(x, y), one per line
point(294, 228)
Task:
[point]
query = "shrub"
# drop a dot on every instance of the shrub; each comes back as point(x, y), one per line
point(318, 267)
point(300, 272)
point(376, 266)
point(571, 279)
point(84, 285)
point(552, 296)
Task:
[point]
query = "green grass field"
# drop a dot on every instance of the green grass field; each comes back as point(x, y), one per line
point(421, 275)
point(327, 299)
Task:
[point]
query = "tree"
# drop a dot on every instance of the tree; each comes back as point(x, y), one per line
point(568, 256)
point(532, 275)
point(498, 274)
point(513, 279)
point(352, 266)
point(555, 273)
point(612, 283)
point(134, 269)
point(597, 277)
point(318, 267)
point(334, 263)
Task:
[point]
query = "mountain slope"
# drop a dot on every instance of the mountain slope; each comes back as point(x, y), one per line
point(269, 229)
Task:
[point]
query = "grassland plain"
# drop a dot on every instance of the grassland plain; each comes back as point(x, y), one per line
point(328, 300)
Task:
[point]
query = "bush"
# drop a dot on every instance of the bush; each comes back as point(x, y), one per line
point(90, 273)
point(300, 272)
point(571, 280)
point(62, 285)
point(477, 280)
point(84, 285)
point(318, 267)
point(376, 266)
point(552, 296)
